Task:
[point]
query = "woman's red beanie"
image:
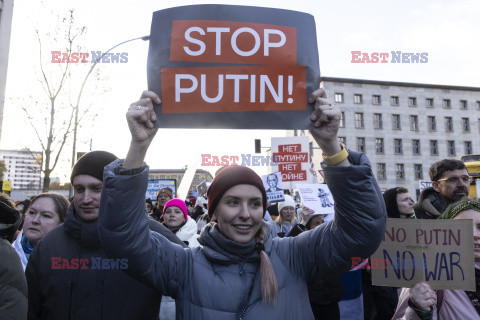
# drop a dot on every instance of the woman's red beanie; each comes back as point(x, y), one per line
point(229, 177)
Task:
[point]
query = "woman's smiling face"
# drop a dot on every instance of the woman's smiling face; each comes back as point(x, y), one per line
point(239, 213)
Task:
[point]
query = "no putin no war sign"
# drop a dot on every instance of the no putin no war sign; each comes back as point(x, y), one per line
point(439, 252)
point(220, 66)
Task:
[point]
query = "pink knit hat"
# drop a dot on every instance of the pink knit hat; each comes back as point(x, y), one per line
point(176, 203)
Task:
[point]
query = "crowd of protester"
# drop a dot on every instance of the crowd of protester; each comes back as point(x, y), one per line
point(109, 253)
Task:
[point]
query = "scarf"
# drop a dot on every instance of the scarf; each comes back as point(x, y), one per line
point(214, 242)
point(26, 246)
point(474, 296)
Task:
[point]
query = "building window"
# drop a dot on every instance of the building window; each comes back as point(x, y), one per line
point(396, 122)
point(429, 102)
point(478, 105)
point(451, 148)
point(434, 147)
point(376, 99)
point(466, 124)
point(417, 169)
point(446, 103)
point(377, 121)
point(357, 98)
point(463, 104)
point(361, 144)
point(468, 147)
point(359, 120)
point(400, 171)
point(432, 123)
point(342, 140)
point(414, 123)
point(398, 146)
point(394, 100)
point(448, 124)
point(342, 119)
point(379, 147)
point(381, 171)
point(412, 102)
point(339, 97)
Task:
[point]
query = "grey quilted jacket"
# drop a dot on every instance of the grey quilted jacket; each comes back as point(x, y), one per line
point(208, 285)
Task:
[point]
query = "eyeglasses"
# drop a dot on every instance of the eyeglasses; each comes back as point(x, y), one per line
point(164, 196)
point(455, 180)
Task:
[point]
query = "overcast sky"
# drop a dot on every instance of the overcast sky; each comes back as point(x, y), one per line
point(447, 30)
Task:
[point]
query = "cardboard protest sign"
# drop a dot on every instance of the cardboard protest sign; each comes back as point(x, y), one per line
point(439, 252)
point(155, 185)
point(291, 157)
point(317, 197)
point(222, 66)
point(273, 185)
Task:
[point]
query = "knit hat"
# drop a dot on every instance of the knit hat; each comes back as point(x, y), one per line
point(165, 190)
point(289, 202)
point(176, 203)
point(92, 164)
point(229, 177)
point(455, 208)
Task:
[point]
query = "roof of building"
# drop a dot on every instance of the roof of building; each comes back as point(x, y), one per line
point(400, 84)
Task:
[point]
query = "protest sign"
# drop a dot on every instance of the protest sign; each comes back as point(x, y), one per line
point(273, 186)
point(155, 185)
point(223, 66)
point(202, 188)
point(439, 252)
point(291, 157)
point(317, 197)
point(423, 184)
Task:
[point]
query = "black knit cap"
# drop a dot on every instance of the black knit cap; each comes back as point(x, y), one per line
point(92, 164)
point(229, 177)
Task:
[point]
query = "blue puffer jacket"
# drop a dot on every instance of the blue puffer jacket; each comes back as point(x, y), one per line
point(206, 284)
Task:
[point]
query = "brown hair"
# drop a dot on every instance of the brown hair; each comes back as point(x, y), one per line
point(268, 281)
point(402, 190)
point(61, 203)
point(440, 167)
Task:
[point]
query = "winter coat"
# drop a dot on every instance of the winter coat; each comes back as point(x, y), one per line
point(209, 283)
point(17, 245)
point(13, 286)
point(430, 205)
point(85, 284)
point(455, 306)
point(275, 229)
point(188, 234)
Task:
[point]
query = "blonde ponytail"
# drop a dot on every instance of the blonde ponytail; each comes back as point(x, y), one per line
point(269, 285)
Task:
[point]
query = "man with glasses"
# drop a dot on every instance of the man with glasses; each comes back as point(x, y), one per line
point(450, 183)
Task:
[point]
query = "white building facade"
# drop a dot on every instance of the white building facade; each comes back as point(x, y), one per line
point(23, 168)
point(405, 127)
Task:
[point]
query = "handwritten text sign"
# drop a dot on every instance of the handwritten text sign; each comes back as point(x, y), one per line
point(439, 252)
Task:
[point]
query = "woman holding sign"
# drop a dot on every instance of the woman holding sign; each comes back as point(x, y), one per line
point(422, 302)
point(241, 272)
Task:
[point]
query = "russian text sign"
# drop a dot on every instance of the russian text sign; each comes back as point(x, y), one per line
point(439, 252)
point(221, 66)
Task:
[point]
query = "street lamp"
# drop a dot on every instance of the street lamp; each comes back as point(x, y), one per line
point(75, 124)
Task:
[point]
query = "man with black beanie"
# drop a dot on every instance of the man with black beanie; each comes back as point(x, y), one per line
point(68, 274)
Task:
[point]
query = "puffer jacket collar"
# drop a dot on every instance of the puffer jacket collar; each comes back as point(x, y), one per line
point(219, 249)
point(84, 232)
